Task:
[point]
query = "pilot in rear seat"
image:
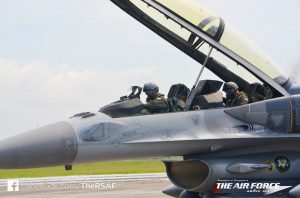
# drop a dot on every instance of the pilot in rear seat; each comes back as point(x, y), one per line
point(156, 102)
point(234, 97)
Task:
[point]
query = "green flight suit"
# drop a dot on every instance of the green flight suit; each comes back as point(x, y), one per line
point(157, 104)
point(239, 99)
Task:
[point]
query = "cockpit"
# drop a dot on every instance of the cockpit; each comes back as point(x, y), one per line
point(208, 95)
point(206, 38)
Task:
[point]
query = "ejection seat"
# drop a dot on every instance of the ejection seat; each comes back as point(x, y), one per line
point(258, 92)
point(177, 97)
point(209, 95)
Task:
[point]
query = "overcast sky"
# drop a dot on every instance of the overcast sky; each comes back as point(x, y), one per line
point(61, 57)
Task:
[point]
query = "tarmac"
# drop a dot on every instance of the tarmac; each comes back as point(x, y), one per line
point(104, 186)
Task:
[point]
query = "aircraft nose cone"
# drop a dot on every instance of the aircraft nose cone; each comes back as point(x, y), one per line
point(51, 145)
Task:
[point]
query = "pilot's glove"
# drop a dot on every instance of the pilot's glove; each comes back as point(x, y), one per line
point(196, 108)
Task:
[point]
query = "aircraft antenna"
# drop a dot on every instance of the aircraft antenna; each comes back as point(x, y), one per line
point(197, 85)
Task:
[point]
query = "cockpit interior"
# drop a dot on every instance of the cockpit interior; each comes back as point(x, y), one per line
point(218, 47)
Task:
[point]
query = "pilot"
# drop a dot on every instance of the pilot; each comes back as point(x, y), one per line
point(156, 102)
point(234, 97)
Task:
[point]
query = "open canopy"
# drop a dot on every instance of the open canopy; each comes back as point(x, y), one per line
point(194, 29)
point(194, 12)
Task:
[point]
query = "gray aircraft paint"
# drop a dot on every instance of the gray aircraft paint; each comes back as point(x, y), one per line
point(51, 145)
point(172, 134)
point(217, 143)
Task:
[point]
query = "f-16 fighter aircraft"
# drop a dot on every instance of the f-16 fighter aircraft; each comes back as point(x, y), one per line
point(251, 149)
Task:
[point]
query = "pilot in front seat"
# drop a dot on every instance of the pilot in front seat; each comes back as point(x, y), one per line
point(234, 97)
point(156, 102)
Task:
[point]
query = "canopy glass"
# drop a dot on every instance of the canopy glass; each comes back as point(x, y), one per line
point(205, 20)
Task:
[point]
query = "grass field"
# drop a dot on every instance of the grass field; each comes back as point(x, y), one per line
point(123, 167)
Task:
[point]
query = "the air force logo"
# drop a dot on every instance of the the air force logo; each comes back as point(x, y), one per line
point(283, 164)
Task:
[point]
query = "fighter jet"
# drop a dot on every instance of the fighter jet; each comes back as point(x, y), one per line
point(218, 145)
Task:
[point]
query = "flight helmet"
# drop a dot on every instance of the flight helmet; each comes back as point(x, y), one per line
point(150, 89)
point(230, 88)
